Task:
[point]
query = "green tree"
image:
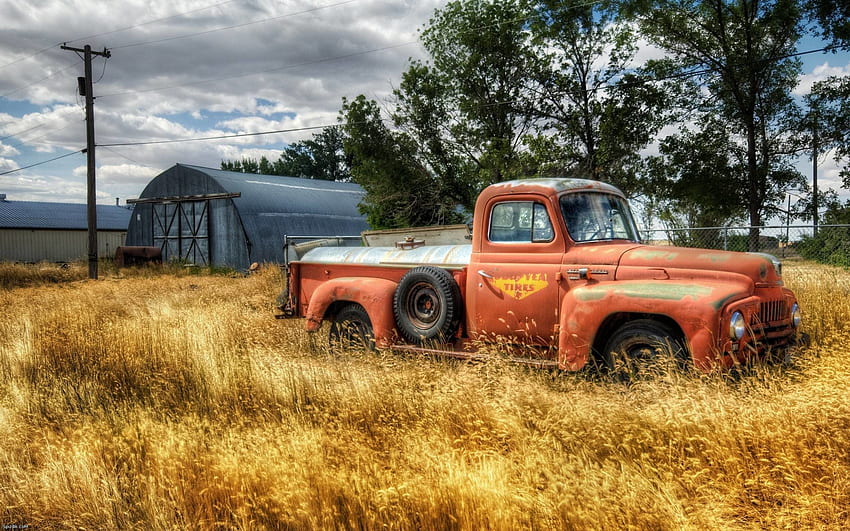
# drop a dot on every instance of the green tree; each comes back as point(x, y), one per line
point(833, 16)
point(401, 191)
point(601, 112)
point(478, 69)
point(831, 245)
point(830, 103)
point(246, 165)
point(424, 113)
point(323, 158)
point(459, 118)
point(739, 50)
point(694, 167)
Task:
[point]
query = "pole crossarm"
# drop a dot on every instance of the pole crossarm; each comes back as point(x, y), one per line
point(105, 53)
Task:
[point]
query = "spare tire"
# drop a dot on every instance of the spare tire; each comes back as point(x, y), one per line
point(427, 305)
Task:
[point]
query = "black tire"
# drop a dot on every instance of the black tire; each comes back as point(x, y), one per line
point(351, 329)
point(427, 305)
point(642, 348)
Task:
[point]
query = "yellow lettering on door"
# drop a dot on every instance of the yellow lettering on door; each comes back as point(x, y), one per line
point(522, 287)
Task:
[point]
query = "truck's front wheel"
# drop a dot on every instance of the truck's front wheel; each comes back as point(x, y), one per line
point(644, 347)
point(351, 329)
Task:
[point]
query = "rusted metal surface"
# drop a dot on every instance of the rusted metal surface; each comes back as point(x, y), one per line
point(555, 296)
point(130, 255)
point(548, 186)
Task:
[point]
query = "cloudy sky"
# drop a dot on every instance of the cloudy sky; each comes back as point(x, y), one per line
point(183, 69)
point(186, 69)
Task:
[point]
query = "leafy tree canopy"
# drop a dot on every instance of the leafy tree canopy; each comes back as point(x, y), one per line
point(322, 157)
point(400, 189)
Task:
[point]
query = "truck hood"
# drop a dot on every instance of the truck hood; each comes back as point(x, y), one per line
point(685, 263)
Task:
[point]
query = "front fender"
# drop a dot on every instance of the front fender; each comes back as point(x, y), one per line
point(374, 294)
point(695, 306)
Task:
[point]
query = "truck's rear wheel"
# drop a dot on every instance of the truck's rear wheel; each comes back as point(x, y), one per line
point(644, 347)
point(351, 329)
point(427, 305)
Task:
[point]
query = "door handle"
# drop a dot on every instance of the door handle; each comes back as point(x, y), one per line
point(485, 274)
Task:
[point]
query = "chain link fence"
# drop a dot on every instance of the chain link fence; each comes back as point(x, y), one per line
point(828, 244)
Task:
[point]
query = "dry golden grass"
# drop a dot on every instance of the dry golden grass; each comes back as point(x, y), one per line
point(170, 401)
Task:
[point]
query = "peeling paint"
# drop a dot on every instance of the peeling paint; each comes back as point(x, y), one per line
point(649, 290)
point(715, 257)
point(667, 291)
point(721, 303)
point(654, 254)
point(587, 295)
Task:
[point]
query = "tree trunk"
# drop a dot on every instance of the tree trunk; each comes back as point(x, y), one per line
point(753, 186)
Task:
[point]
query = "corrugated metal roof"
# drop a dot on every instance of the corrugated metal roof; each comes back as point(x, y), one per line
point(250, 227)
point(292, 205)
point(60, 216)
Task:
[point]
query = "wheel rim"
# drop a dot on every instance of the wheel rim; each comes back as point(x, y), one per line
point(423, 306)
point(644, 351)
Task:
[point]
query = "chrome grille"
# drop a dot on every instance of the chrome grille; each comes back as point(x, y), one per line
point(772, 311)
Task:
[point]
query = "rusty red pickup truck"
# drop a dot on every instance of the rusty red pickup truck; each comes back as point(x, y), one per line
point(556, 275)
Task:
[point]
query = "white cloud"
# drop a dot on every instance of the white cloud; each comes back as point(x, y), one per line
point(49, 188)
point(8, 151)
point(646, 51)
point(236, 153)
point(287, 67)
point(7, 164)
point(126, 174)
point(819, 73)
point(289, 70)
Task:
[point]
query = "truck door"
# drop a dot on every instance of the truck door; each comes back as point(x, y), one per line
point(515, 280)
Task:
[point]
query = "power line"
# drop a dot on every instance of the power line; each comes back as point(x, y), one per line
point(30, 56)
point(136, 162)
point(680, 75)
point(42, 162)
point(47, 49)
point(234, 26)
point(305, 63)
point(22, 132)
point(184, 13)
point(59, 115)
point(276, 69)
point(218, 137)
point(45, 78)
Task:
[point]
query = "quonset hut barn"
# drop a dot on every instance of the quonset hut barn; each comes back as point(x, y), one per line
point(221, 218)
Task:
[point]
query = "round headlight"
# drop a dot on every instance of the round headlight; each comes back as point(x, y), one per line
point(796, 315)
point(737, 326)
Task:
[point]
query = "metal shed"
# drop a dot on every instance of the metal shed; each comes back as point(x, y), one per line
point(32, 231)
point(214, 217)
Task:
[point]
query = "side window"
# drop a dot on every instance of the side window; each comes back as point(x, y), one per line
point(520, 222)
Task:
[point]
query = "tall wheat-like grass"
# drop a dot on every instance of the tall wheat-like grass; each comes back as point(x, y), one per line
point(173, 401)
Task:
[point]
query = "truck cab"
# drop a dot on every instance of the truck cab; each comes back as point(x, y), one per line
point(556, 267)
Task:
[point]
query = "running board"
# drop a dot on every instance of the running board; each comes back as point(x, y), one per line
point(474, 356)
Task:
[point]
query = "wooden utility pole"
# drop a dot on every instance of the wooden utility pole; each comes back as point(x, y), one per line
point(91, 205)
point(815, 149)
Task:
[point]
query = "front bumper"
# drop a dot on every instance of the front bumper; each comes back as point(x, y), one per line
point(770, 327)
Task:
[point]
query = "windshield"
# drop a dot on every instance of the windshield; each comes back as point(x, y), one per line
point(598, 216)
